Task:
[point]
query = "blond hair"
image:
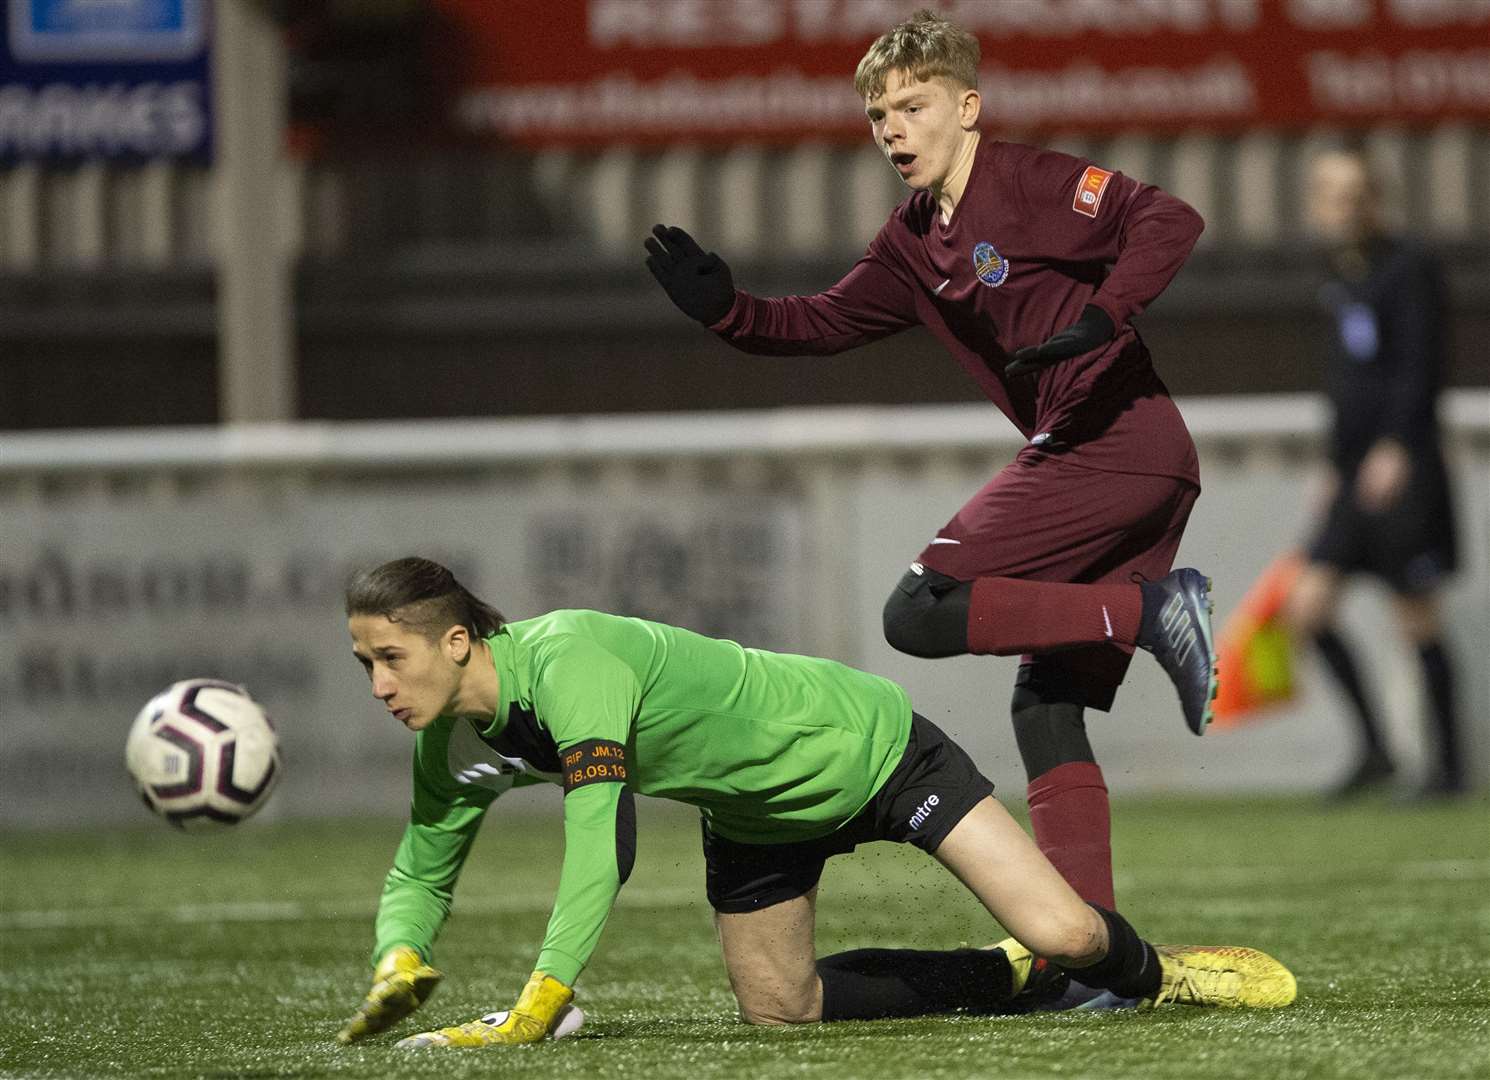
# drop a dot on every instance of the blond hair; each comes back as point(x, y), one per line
point(926, 46)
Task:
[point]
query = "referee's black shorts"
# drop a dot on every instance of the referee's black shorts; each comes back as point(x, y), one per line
point(1411, 545)
point(930, 791)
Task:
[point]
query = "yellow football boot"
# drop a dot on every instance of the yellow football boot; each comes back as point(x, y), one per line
point(401, 983)
point(1223, 976)
point(537, 1013)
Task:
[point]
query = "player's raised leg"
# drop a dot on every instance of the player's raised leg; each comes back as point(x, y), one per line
point(1170, 618)
point(1047, 558)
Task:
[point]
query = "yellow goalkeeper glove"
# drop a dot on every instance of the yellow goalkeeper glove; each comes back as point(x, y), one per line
point(401, 984)
point(538, 1012)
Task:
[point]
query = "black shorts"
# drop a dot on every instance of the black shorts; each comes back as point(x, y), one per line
point(930, 791)
point(1411, 545)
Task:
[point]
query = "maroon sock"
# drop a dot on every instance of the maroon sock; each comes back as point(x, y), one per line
point(1068, 811)
point(1008, 616)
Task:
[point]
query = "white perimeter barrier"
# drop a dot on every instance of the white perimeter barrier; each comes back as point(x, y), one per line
point(129, 559)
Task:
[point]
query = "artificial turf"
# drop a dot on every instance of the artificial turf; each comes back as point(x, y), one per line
point(137, 951)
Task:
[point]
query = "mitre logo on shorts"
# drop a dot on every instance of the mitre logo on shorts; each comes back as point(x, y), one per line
point(924, 811)
point(1089, 191)
point(991, 267)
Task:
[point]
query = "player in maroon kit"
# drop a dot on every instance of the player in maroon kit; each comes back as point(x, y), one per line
point(1028, 265)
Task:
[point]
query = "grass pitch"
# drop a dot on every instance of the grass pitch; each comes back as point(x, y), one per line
point(138, 952)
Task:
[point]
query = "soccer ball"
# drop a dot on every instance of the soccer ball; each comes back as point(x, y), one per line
point(203, 753)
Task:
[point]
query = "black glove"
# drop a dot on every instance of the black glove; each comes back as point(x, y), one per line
point(1093, 329)
point(699, 283)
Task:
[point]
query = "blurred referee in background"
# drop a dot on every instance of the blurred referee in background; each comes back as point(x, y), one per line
point(1388, 512)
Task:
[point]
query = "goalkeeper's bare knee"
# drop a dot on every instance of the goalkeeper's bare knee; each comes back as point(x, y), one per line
point(1071, 939)
point(782, 1008)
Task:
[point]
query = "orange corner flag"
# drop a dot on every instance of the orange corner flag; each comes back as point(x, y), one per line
point(1255, 650)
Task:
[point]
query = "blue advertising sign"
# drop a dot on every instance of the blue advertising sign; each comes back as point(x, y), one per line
point(105, 79)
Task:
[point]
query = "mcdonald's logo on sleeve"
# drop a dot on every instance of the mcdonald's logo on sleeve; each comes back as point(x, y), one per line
point(1089, 191)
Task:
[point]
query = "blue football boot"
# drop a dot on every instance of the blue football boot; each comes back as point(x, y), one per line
point(1176, 628)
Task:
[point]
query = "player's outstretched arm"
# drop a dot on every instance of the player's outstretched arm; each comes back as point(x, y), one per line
point(698, 282)
point(1091, 331)
point(401, 983)
point(416, 896)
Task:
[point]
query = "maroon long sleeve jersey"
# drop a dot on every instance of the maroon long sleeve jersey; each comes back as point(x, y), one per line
point(1037, 236)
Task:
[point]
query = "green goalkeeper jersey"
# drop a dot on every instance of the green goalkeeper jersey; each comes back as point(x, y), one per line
point(772, 748)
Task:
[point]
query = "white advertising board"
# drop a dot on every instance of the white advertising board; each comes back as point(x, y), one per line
point(107, 597)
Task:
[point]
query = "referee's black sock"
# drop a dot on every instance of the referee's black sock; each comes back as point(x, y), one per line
point(1131, 967)
point(1337, 657)
point(877, 984)
point(1438, 675)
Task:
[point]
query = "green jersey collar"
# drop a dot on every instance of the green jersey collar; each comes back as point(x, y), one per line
point(510, 658)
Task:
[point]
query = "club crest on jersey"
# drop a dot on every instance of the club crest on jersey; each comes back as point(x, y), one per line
point(991, 267)
point(1089, 192)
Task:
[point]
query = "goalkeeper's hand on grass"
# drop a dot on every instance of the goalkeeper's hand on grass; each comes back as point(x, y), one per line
point(541, 1011)
point(401, 984)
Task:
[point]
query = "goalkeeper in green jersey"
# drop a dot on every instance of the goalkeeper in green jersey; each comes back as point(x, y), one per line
point(789, 759)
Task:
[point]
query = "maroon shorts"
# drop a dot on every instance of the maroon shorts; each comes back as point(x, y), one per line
point(1043, 519)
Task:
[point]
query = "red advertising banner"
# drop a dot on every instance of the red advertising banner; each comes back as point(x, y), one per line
point(598, 71)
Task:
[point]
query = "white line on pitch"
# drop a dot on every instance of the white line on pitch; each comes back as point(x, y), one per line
point(294, 911)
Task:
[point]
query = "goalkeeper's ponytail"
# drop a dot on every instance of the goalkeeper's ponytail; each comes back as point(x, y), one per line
point(423, 595)
point(481, 619)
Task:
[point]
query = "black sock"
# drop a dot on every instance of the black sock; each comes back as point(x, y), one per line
point(1130, 968)
point(875, 984)
point(1337, 657)
point(1048, 732)
point(1438, 676)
